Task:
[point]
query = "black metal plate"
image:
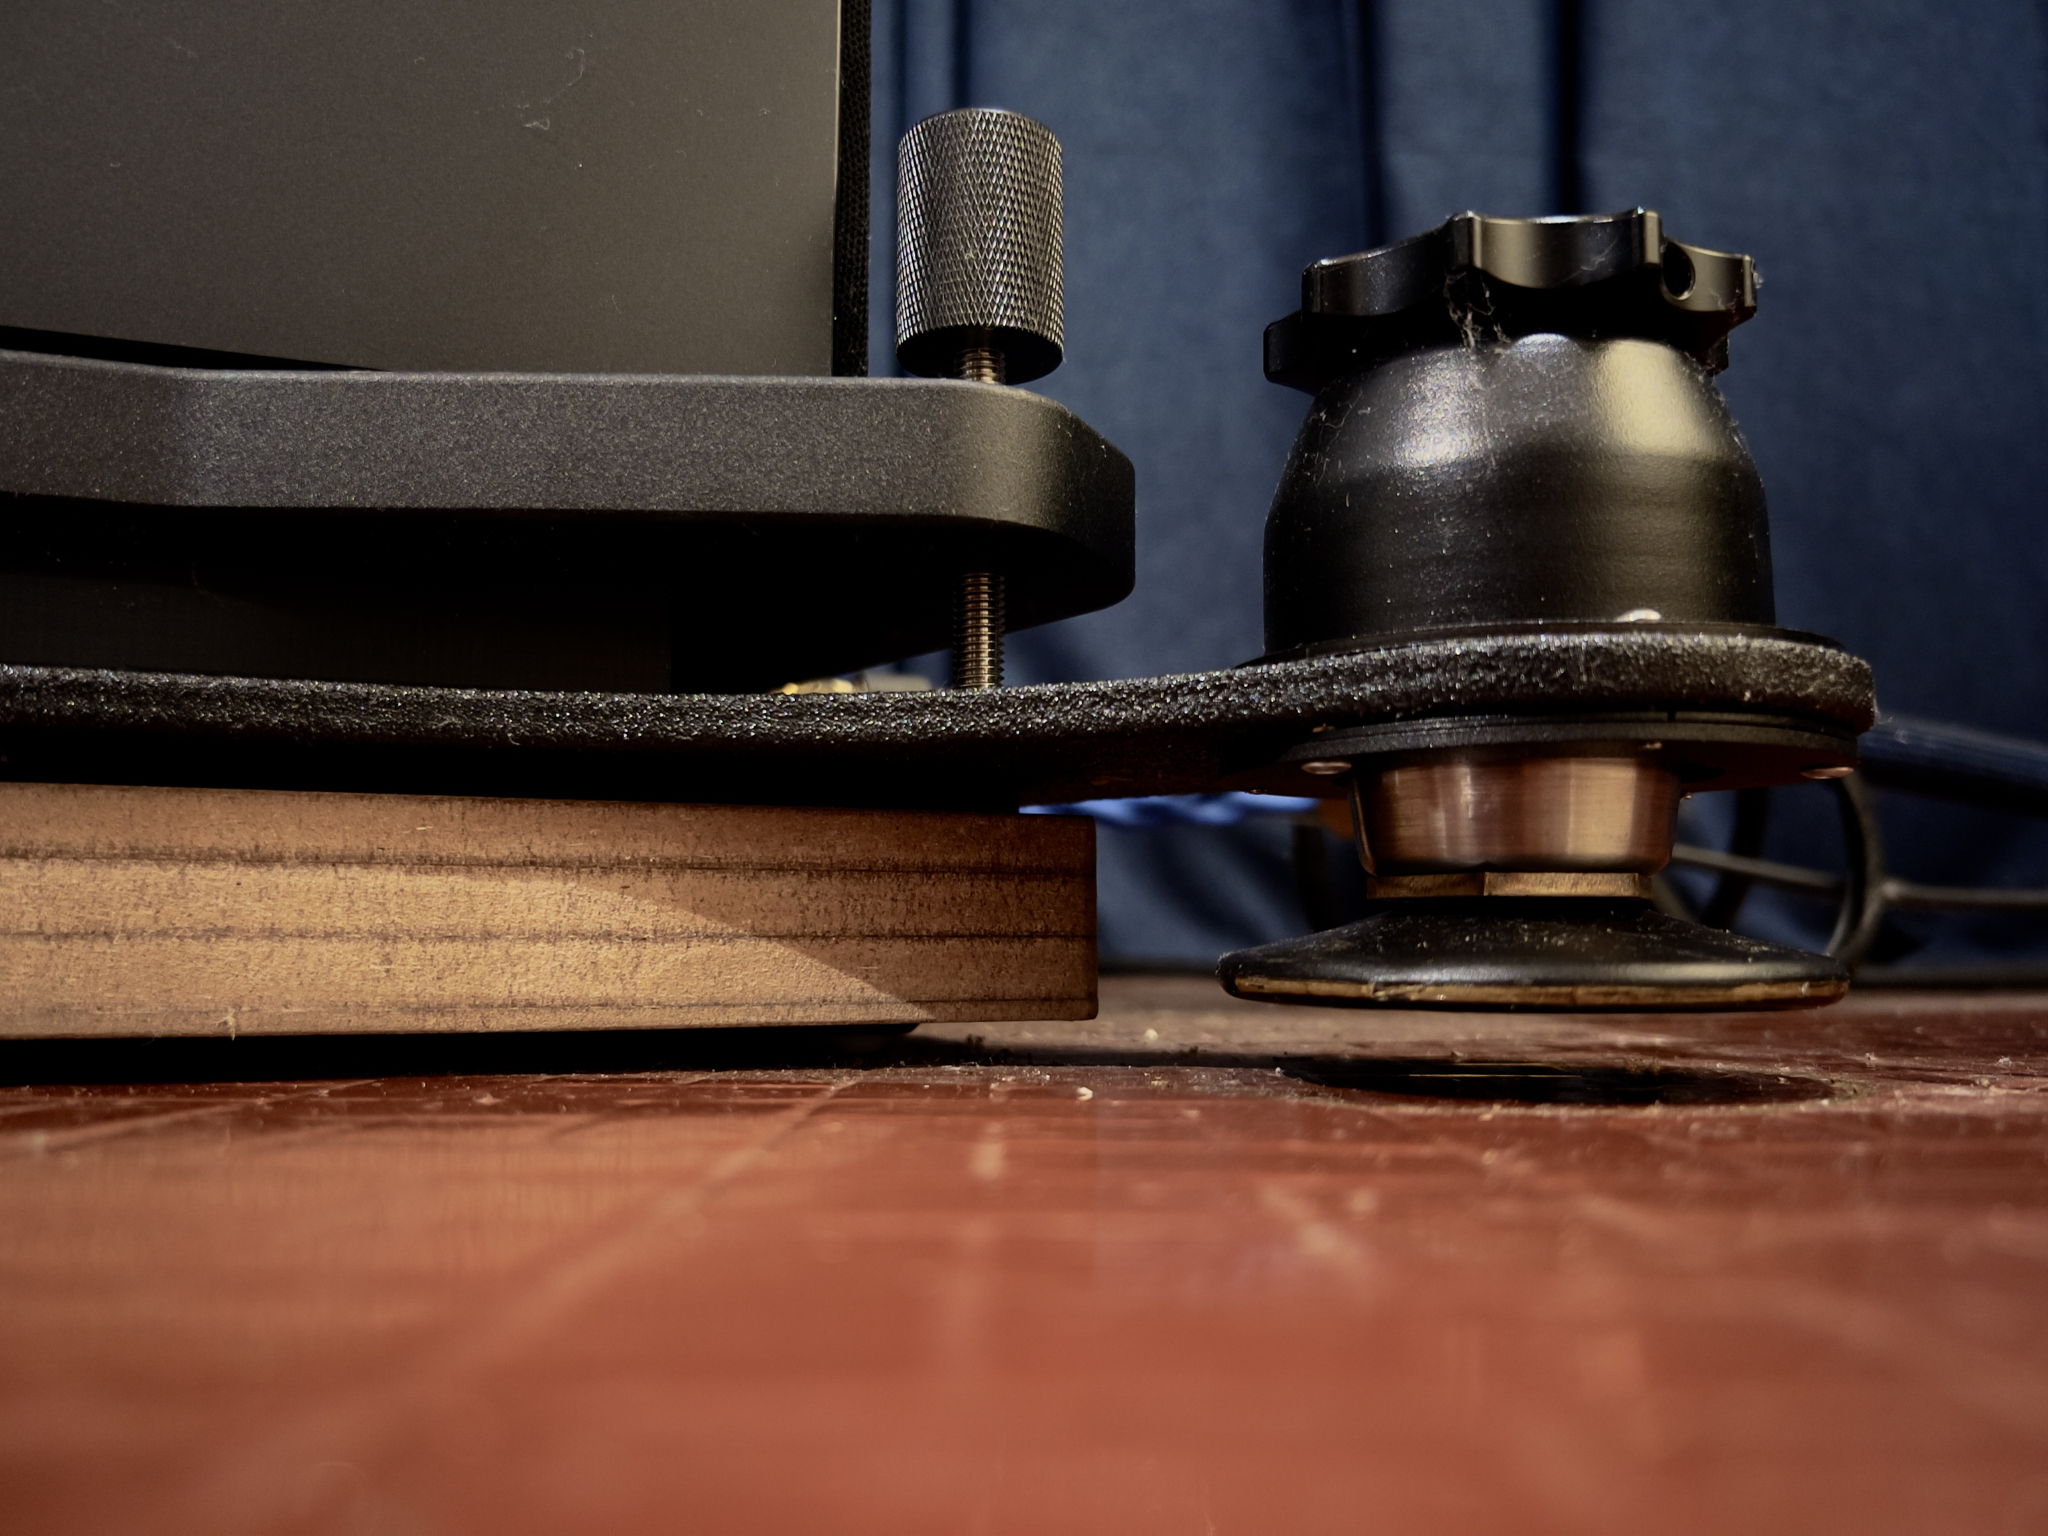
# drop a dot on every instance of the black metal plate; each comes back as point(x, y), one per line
point(623, 532)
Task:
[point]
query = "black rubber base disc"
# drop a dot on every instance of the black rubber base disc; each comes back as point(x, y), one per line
point(1566, 954)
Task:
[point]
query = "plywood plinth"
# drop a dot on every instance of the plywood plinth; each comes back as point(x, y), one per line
point(217, 912)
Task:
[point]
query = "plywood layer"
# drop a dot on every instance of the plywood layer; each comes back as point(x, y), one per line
point(130, 911)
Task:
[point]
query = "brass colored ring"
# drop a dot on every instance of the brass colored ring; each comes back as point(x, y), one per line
point(1510, 882)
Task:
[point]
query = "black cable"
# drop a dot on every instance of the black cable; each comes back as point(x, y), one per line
point(1791, 877)
point(1863, 895)
point(1746, 841)
point(1983, 898)
point(1899, 895)
point(1955, 762)
point(1863, 885)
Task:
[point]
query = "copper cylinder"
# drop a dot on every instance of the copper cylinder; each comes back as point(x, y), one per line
point(1536, 813)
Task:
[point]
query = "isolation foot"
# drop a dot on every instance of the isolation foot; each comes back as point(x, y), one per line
point(1559, 953)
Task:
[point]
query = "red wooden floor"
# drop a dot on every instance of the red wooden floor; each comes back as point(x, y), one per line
point(1198, 1267)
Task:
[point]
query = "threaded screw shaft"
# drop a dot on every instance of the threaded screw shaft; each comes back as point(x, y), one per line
point(978, 631)
point(978, 617)
point(982, 364)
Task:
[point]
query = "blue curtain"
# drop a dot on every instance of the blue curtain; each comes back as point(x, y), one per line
point(1885, 162)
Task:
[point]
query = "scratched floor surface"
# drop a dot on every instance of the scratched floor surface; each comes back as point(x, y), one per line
point(1195, 1267)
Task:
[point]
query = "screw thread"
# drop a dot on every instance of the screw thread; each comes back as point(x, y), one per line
point(978, 633)
point(982, 363)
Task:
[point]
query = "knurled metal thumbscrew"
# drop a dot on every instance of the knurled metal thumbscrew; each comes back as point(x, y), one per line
point(978, 291)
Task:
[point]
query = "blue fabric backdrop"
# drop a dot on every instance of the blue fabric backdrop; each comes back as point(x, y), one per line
point(1885, 162)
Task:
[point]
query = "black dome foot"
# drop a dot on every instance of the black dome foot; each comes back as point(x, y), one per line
point(1569, 954)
